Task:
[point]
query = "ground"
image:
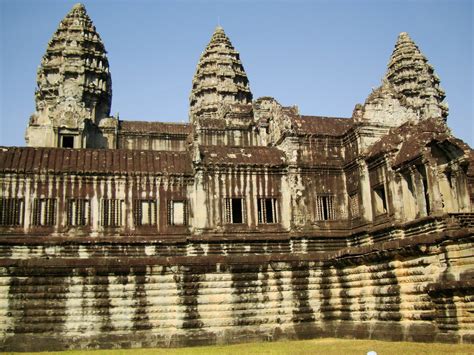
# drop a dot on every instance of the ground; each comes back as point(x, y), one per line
point(317, 346)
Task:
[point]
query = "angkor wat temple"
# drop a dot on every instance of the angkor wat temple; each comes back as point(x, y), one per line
point(250, 222)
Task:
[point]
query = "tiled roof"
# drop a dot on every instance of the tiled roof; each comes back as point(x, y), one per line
point(155, 127)
point(222, 155)
point(93, 161)
point(409, 140)
point(328, 126)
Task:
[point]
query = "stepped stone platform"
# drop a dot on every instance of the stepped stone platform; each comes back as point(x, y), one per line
point(70, 294)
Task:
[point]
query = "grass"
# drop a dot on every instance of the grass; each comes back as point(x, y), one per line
point(316, 346)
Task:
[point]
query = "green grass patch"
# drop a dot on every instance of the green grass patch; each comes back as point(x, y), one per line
point(316, 346)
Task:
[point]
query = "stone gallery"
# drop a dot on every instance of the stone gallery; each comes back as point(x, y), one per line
point(250, 222)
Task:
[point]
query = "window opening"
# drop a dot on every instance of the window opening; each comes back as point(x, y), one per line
point(380, 200)
point(11, 211)
point(67, 141)
point(177, 213)
point(267, 212)
point(78, 212)
point(325, 208)
point(112, 212)
point(427, 195)
point(44, 212)
point(234, 210)
point(145, 213)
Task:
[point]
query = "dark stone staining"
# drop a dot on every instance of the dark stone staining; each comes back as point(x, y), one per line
point(346, 298)
point(102, 303)
point(37, 304)
point(141, 320)
point(387, 303)
point(245, 286)
point(446, 311)
point(387, 292)
point(279, 286)
point(188, 281)
point(264, 283)
point(327, 310)
point(446, 296)
point(303, 314)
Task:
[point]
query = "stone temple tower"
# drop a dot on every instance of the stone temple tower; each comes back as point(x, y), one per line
point(74, 90)
point(415, 81)
point(410, 90)
point(220, 79)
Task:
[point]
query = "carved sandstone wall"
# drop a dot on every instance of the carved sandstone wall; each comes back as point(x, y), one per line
point(415, 288)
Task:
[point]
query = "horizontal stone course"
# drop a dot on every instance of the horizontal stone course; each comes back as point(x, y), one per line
point(370, 292)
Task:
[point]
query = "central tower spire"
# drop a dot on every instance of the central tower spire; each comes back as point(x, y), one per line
point(220, 78)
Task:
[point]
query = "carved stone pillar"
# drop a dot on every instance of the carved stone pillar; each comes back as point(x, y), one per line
point(285, 205)
point(396, 191)
point(420, 208)
point(420, 191)
point(460, 190)
point(434, 192)
point(365, 192)
point(198, 202)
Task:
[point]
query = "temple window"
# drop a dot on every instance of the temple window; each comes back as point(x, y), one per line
point(177, 213)
point(380, 200)
point(145, 212)
point(44, 212)
point(78, 212)
point(67, 141)
point(11, 211)
point(267, 210)
point(112, 213)
point(325, 208)
point(234, 210)
point(354, 205)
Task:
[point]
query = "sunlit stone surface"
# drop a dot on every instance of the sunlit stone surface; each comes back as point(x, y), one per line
point(252, 222)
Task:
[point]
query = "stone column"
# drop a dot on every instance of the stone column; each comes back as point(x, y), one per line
point(434, 192)
point(365, 192)
point(396, 192)
point(445, 192)
point(417, 181)
point(461, 191)
point(95, 197)
point(198, 202)
point(285, 205)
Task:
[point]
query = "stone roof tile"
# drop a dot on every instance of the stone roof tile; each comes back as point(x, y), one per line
point(408, 141)
point(319, 125)
point(93, 161)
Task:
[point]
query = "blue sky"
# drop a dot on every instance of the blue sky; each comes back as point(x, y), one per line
point(324, 56)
